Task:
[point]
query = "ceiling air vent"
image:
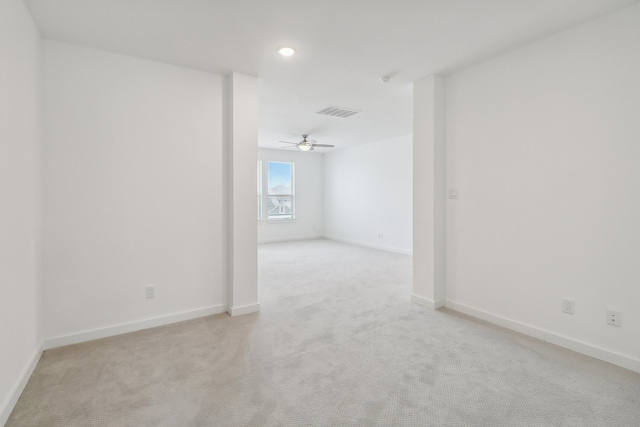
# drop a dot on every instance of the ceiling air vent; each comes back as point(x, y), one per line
point(338, 112)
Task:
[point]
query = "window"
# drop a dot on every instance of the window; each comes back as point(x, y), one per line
point(280, 200)
point(259, 189)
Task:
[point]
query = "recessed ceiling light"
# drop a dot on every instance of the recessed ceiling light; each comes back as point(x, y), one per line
point(285, 51)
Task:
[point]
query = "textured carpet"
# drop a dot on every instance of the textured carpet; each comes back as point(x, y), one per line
point(337, 343)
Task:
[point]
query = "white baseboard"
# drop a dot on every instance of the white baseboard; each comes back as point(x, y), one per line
point(369, 245)
point(132, 327)
point(244, 309)
point(10, 403)
point(289, 239)
point(426, 302)
point(621, 360)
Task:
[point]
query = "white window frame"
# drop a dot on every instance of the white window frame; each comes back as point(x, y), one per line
point(263, 188)
point(260, 190)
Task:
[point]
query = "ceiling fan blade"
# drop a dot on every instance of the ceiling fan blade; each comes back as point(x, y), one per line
point(287, 142)
point(323, 145)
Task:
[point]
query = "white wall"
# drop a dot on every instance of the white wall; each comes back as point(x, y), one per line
point(429, 188)
point(133, 190)
point(242, 230)
point(368, 190)
point(20, 105)
point(309, 197)
point(543, 145)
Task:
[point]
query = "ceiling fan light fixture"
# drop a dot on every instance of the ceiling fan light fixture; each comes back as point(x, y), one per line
point(285, 51)
point(306, 145)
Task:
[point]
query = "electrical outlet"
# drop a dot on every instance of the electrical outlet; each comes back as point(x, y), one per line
point(151, 292)
point(453, 193)
point(614, 318)
point(567, 305)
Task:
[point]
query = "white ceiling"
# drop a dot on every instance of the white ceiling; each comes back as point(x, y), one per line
point(343, 48)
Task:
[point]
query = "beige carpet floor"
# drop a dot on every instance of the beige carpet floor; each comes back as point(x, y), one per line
point(337, 343)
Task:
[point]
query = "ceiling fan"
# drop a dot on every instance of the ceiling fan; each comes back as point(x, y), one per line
point(306, 145)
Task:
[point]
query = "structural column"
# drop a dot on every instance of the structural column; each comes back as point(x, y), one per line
point(242, 155)
point(429, 284)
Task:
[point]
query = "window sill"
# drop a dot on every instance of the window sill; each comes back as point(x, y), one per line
point(277, 221)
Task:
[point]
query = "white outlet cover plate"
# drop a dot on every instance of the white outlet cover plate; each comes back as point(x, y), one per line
point(568, 306)
point(614, 318)
point(151, 291)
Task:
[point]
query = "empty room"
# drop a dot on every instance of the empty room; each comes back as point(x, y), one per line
point(336, 213)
